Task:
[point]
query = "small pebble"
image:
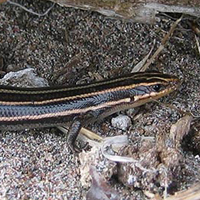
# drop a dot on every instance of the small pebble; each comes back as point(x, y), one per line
point(23, 78)
point(121, 122)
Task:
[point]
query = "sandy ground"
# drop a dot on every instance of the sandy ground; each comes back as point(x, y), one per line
point(69, 46)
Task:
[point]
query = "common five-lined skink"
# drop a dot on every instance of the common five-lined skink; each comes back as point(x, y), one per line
point(80, 104)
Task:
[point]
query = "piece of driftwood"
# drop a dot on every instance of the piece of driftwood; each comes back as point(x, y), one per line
point(192, 193)
point(136, 10)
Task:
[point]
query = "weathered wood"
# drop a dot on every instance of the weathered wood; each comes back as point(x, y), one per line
point(136, 10)
point(192, 193)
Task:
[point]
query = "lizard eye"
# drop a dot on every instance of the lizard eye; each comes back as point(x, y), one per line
point(157, 87)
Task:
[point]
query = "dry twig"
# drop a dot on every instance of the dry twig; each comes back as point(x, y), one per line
point(197, 42)
point(163, 43)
